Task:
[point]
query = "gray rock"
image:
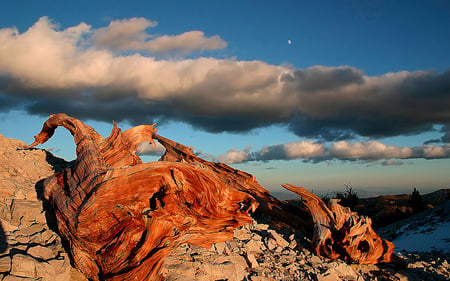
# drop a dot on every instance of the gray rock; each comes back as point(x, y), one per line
point(291, 237)
point(338, 271)
point(401, 277)
point(232, 246)
point(17, 278)
point(252, 260)
point(22, 239)
point(48, 237)
point(271, 244)
point(260, 278)
point(53, 270)
point(179, 271)
point(256, 236)
point(315, 260)
point(261, 226)
point(23, 266)
point(278, 238)
point(7, 226)
point(21, 169)
point(417, 264)
point(220, 248)
point(40, 252)
point(24, 212)
point(232, 268)
point(293, 244)
point(5, 263)
point(30, 230)
point(41, 219)
point(254, 246)
point(242, 233)
point(328, 276)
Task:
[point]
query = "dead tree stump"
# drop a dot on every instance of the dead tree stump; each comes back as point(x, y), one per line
point(341, 233)
point(122, 217)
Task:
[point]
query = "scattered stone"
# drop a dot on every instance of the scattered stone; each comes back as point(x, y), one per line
point(22, 239)
point(7, 226)
point(179, 271)
point(252, 260)
point(254, 246)
point(5, 263)
point(23, 212)
point(53, 270)
point(40, 252)
point(293, 244)
point(291, 237)
point(259, 278)
point(262, 226)
point(315, 260)
point(41, 219)
point(23, 266)
point(220, 247)
point(31, 251)
point(231, 268)
point(242, 234)
point(338, 271)
point(17, 278)
point(30, 230)
point(278, 238)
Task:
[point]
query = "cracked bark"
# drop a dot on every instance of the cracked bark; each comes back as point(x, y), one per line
point(122, 217)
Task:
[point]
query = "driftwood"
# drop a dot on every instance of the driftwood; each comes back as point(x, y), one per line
point(341, 233)
point(122, 217)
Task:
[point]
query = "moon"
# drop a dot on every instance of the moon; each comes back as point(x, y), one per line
point(289, 42)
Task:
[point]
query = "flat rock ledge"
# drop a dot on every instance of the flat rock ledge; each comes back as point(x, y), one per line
point(31, 249)
point(262, 252)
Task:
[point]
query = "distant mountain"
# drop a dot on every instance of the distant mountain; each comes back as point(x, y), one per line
point(386, 209)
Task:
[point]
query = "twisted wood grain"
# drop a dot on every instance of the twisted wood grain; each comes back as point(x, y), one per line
point(122, 217)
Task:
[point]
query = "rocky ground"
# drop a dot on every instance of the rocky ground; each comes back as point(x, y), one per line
point(31, 249)
point(260, 252)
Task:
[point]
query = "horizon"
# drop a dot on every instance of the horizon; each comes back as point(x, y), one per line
point(318, 95)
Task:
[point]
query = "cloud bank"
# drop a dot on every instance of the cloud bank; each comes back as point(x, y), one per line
point(122, 72)
point(341, 150)
point(130, 35)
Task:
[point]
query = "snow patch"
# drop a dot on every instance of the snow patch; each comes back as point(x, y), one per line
point(427, 238)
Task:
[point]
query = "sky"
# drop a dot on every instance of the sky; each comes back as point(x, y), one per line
point(320, 94)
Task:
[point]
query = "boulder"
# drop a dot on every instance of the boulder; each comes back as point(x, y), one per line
point(5, 263)
point(56, 269)
point(24, 266)
point(40, 252)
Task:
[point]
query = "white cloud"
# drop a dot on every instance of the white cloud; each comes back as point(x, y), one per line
point(44, 57)
point(130, 34)
point(62, 69)
point(119, 35)
point(185, 43)
point(371, 150)
point(146, 148)
point(234, 156)
point(341, 150)
point(432, 151)
point(304, 149)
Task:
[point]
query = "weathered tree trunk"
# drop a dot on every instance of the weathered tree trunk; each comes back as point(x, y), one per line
point(341, 233)
point(122, 217)
point(292, 215)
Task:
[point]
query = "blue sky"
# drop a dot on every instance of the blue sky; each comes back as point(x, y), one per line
point(313, 93)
